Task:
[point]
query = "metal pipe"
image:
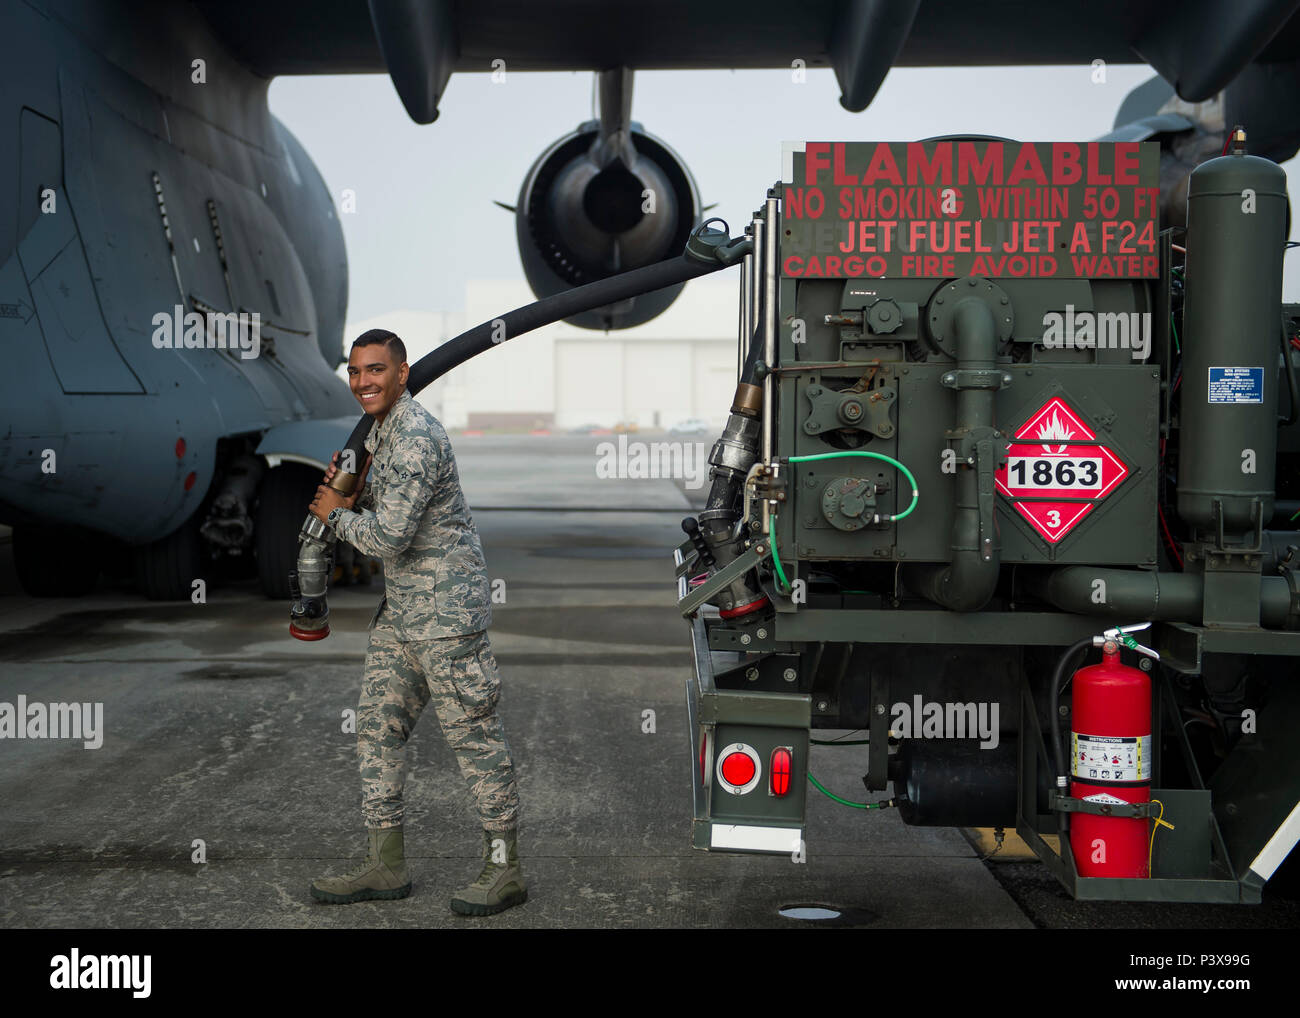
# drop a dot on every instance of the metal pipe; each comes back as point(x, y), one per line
point(1128, 594)
point(746, 320)
point(771, 216)
point(968, 581)
point(734, 454)
point(755, 281)
point(759, 229)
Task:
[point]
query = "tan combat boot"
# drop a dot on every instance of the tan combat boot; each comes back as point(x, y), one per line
point(501, 884)
point(381, 876)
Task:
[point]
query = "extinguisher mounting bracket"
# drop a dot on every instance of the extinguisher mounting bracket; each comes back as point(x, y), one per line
point(1069, 804)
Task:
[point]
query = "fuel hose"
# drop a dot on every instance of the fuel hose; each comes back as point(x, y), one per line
point(707, 250)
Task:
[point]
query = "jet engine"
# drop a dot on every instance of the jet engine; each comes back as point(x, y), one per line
point(604, 199)
point(580, 219)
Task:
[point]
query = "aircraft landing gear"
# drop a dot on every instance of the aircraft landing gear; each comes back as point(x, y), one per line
point(165, 570)
point(286, 492)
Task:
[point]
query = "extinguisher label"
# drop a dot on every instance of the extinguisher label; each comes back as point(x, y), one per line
point(1106, 798)
point(1111, 758)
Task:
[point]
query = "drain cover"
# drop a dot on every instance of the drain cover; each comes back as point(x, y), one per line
point(810, 912)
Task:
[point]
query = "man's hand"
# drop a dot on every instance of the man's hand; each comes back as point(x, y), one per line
point(327, 498)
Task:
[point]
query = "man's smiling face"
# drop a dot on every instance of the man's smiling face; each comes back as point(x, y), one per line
point(376, 378)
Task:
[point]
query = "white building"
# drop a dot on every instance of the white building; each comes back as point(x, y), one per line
point(680, 365)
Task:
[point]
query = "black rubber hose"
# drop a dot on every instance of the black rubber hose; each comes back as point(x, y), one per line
point(1288, 369)
point(556, 308)
point(1054, 718)
point(706, 251)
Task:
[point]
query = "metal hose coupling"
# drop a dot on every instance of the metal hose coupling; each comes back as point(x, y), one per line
point(309, 583)
point(720, 528)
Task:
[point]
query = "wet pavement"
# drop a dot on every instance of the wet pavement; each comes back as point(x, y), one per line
point(223, 740)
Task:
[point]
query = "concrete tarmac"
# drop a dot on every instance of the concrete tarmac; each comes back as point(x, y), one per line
point(224, 741)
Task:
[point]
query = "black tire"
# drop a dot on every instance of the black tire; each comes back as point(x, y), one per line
point(55, 563)
point(166, 569)
point(282, 506)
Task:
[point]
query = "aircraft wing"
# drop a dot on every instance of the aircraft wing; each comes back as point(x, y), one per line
point(1198, 46)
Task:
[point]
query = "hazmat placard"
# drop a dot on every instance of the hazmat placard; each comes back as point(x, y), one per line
point(1052, 478)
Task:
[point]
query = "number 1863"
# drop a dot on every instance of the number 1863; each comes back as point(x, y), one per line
point(1056, 472)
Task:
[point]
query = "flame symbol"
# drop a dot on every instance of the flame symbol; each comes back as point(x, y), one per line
point(1054, 429)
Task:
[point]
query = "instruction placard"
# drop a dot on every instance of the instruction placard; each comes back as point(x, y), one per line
point(1111, 758)
point(1236, 385)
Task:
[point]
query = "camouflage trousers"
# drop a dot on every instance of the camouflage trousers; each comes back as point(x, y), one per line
point(458, 675)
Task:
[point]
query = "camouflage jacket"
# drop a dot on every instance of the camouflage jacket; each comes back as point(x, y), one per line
point(413, 516)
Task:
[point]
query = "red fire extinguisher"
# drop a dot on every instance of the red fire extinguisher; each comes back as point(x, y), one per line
point(1110, 744)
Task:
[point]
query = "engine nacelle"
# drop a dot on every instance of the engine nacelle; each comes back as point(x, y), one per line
point(579, 221)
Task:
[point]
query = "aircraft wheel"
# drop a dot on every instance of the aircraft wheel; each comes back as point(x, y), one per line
point(282, 506)
point(55, 563)
point(166, 569)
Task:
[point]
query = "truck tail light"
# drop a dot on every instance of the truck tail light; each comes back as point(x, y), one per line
point(738, 769)
point(779, 771)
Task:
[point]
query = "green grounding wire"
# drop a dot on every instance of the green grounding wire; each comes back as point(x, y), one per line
point(845, 802)
point(783, 584)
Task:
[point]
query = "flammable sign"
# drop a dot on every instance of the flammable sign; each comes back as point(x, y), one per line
point(1051, 477)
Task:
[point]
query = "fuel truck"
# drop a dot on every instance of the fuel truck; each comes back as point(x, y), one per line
point(1009, 488)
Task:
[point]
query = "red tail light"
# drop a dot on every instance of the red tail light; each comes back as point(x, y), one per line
point(738, 769)
point(779, 772)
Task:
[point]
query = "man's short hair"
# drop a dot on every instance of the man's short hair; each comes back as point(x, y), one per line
point(388, 339)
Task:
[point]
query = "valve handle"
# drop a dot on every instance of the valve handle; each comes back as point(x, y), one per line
point(1120, 634)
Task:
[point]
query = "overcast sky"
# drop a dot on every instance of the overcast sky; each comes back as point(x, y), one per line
point(425, 223)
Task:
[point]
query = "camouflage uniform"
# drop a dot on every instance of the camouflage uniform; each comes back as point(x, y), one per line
point(428, 638)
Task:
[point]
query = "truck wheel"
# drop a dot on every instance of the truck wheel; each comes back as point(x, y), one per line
point(166, 569)
point(55, 563)
point(282, 506)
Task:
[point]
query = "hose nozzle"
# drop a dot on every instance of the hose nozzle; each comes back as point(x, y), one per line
point(309, 583)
